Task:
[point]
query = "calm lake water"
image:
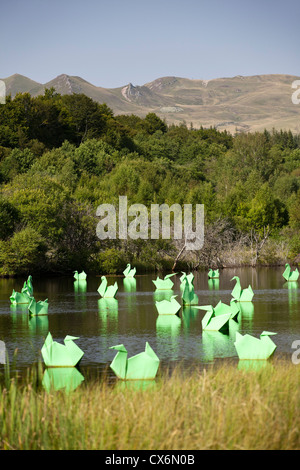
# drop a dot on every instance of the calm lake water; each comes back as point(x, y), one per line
point(76, 309)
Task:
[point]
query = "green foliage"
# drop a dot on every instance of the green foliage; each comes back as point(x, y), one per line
point(63, 156)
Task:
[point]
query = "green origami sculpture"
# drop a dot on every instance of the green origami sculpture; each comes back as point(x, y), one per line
point(59, 355)
point(188, 295)
point(249, 347)
point(222, 308)
point(290, 275)
point(213, 322)
point(28, 287)
point(164, 284)
point(128, 272)
point(168, 307)
point(142, 366)
point(239, 294)
point(213, 274)
point(190, 277)
point(25, 296)
point(81, 276)
point(38, 308)
point(20, 298)
point(107, 291)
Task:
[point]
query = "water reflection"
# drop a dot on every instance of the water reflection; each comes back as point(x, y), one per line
point(163, 294)
point(292, 287)
point(68, 378)
point(135, 385)
point(251, 364)
point(213, 284)
point(80, 286)
point(189, 314)
point(168, 325)
point(129, 284)
point(38, 324)
point(216, 344)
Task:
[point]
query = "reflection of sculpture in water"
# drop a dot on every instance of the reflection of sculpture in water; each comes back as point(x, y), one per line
point(129, 284)
point(216, 345)
point(80, 286)
point(213, 284)
point(292, 287)
point(108, 312)
point(68, 378)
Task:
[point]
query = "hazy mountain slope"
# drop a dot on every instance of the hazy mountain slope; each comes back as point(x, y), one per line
point(236, 103)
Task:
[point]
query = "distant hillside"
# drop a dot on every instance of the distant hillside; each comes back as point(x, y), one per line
point(237, 104)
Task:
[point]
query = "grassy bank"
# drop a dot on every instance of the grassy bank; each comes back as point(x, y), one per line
point(219, 408)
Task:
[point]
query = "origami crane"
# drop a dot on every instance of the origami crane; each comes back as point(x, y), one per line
point(242, 295)
point(249, 347)
point(20, 297)
point(128, 272)
point(107, 291)
point(168, 307)
point(213, 274)
point(59, 355)
point(188, 295)
point(81, 276)
point(142, 366)
point(290, 275)
point(38, 308)
point(213, 322)
point(164, 284)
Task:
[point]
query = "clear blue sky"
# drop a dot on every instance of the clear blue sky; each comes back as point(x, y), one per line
point(113, 42)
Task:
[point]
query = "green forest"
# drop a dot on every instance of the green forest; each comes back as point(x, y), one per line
point(61, 156)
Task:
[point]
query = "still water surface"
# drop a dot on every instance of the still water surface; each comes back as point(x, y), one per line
point(132, 319)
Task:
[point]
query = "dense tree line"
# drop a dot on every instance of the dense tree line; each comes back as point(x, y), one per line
point(61, 156)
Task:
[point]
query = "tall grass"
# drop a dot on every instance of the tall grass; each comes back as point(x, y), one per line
point(217, 408)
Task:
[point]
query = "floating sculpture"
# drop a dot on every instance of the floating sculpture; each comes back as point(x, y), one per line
point(128, 272)
point(38, 308)
point(213, 322)
point(189, 277)
point(290, 275)
point(222, 308)
point(20, 297)
point(249, 347)
point(59, 355)
point(25, 296)
point(107, 291)
point(188, 295)
point(213, 274)
point(142, 366)
point(168, 307)
point(81, 276)
point(164, 284)
point(239, 294)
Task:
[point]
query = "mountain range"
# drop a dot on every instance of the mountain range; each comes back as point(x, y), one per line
point(237, 104)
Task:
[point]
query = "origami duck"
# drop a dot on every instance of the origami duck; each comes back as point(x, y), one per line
point(222, 308)
point(213, 322)
point(290, 275)
point(59, 355)
point(249, 347)
point(107, 291)
point(213, 274)
point(168, 307)
point(188, 295)
point(239, 294)
point(20, 297)
point(164, 284)
point(38, 308)
point(128, 272)
point(189, 277)
point(142, 366)
point(80, 277)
